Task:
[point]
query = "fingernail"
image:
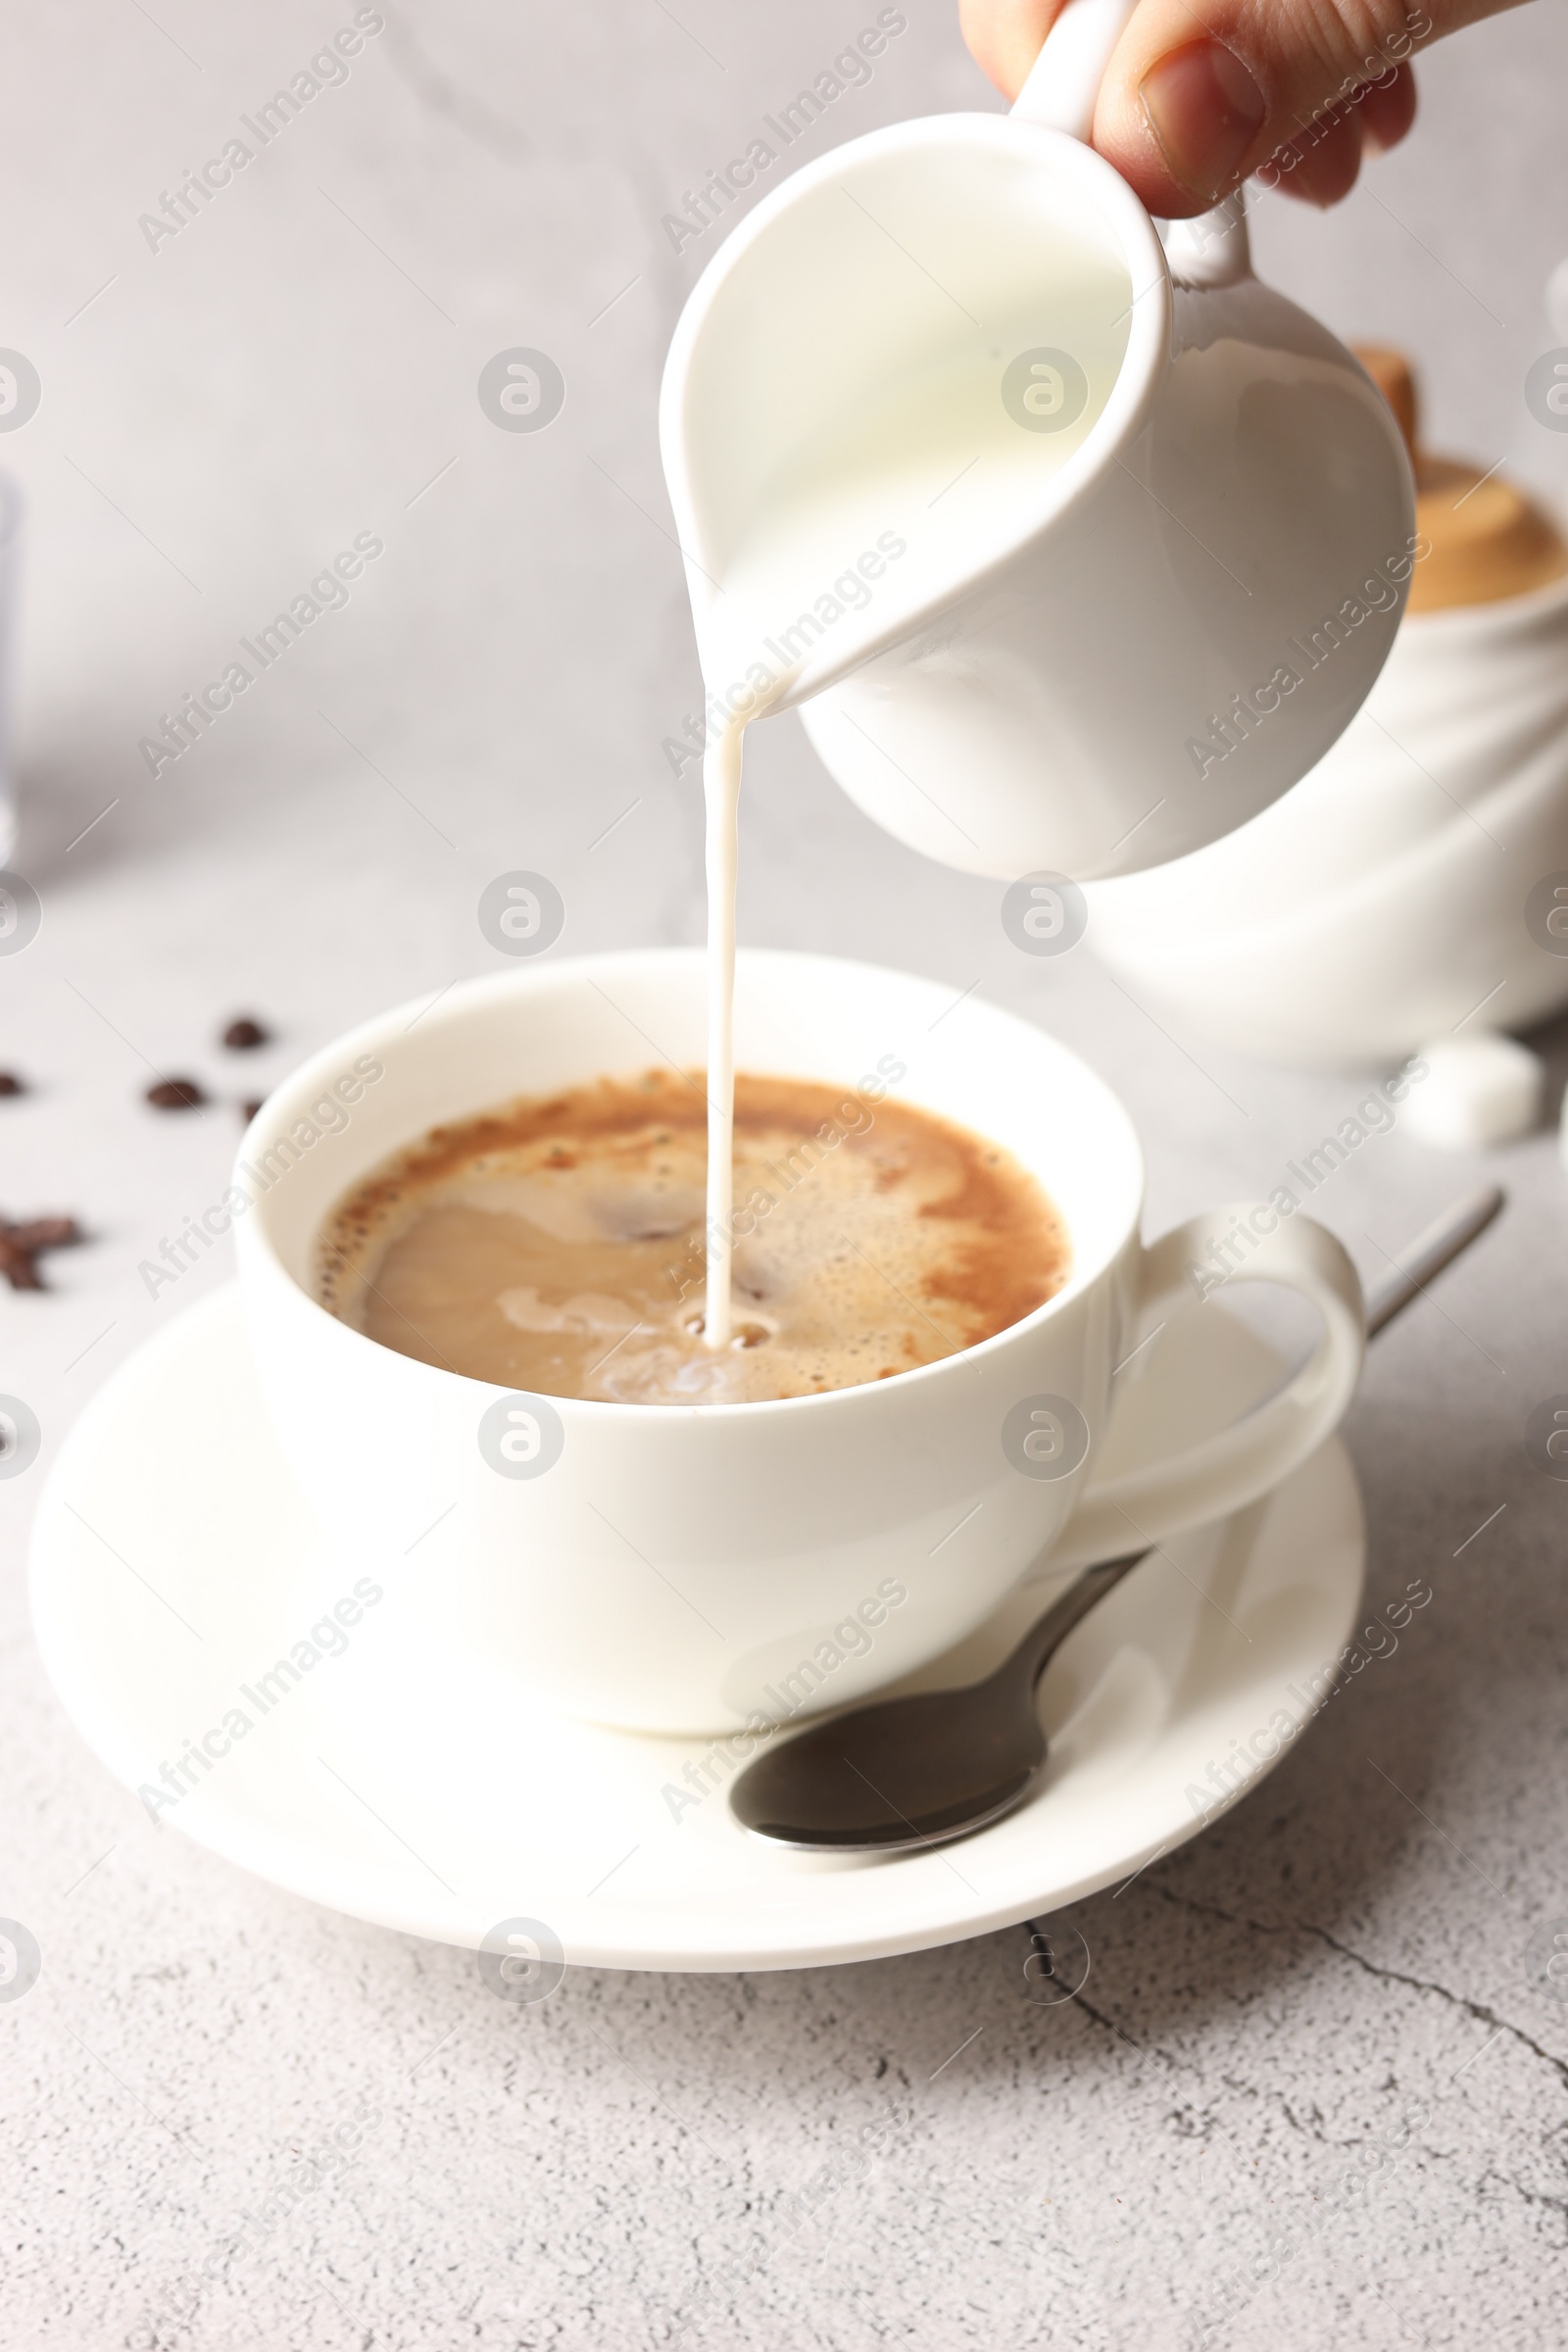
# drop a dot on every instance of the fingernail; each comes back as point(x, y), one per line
point(1205, 109)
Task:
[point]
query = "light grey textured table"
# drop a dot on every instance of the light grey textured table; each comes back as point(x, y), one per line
point(220, 415)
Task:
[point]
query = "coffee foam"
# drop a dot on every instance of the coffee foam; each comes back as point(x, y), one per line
point(559, 1246)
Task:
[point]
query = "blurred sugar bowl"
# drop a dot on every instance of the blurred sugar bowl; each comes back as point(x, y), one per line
point(1409, 877)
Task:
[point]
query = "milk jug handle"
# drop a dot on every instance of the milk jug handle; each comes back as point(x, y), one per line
point(1064, 80)
point(1060, 92)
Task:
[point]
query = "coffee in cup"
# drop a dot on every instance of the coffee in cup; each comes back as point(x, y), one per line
point(557, 1244)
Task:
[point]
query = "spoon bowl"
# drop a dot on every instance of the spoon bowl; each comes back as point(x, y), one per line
point(918, 1771)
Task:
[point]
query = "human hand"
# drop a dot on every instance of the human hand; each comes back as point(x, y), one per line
point(1193, 105)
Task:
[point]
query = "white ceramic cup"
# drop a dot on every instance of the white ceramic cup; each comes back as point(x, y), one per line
point(689, 1569)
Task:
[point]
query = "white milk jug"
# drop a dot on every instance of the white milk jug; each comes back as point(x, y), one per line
point(1077, 550)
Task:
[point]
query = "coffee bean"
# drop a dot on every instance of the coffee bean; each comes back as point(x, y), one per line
point(11, 1084)
point(175, 1093)
point(21, 1245)
point(242, 1035)
point(248, 1110)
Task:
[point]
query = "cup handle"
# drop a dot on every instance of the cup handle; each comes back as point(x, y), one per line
point(1236, 1464)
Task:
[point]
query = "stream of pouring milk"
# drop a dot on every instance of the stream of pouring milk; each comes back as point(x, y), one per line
point(721, 797)
point(866, 519)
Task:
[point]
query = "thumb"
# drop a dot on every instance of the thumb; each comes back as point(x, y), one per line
point(1192, 104)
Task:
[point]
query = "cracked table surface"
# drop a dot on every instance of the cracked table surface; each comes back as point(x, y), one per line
point(1310, 2091)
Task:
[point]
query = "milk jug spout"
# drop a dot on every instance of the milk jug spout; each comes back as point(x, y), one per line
point(1075, 548)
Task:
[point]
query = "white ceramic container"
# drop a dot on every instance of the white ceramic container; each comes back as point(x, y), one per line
point(1403, 884)
point(1034, 679)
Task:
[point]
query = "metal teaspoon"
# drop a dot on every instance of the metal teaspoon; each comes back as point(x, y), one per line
point(903, 1773)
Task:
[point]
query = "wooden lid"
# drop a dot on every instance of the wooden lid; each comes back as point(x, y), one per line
point(1394, 379)
point(1487, 539)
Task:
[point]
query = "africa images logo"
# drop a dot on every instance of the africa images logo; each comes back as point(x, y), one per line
point(1547, 391)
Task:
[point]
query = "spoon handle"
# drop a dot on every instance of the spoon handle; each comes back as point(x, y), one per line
point(1437, 1247)
point(1046, 1634)
point(1427, 1255)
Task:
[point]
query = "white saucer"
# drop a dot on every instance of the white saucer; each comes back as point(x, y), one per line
point(174, 1562)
